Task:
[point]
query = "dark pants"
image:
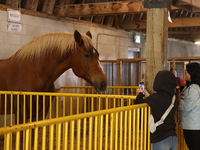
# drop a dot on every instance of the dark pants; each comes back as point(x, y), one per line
point(192, 139)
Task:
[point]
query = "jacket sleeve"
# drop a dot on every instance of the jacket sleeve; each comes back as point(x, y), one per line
point(182, 83)
point(189, 100)
point(139, 98)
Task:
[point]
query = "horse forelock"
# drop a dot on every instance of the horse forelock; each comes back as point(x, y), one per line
point(88, 44)
point(62, 42)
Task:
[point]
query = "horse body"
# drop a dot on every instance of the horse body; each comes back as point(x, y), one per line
point(38, 64)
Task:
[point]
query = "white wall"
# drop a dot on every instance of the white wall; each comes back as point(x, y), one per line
point(110, 43)
point(179, 48)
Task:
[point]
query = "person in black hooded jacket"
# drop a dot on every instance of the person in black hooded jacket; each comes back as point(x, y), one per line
point(164, 138)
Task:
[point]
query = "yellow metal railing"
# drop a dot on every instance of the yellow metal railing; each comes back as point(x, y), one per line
point(98, 104)
point(180, 137)
point(113, 129)
point(14, 105)
point(123, 121)
point(114, 90)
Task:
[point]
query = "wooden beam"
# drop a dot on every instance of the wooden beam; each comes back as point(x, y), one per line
point(48, 6)
point(179, 22)
point(195, 9)
point(184, 32)
point(31, 4)
point(117, 21)
point(106, 8)
point(108, 20)
point(67, 2)
point(185, 22)
point(52, 17)
point(184, 35)
point(195, 3)
point(97, 19)
point(13, 3)
point(192, 6)
point(190, 9)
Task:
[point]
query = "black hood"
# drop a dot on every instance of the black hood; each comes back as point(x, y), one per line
point(165, 81)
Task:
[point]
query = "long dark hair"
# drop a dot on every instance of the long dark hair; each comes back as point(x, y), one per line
point(194, 70)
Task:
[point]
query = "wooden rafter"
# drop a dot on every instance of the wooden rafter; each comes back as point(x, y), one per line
point(188, 2)
point(120, 14)
point(188, 5)
point(48, 6)
point(179, 22)
point(31, 4)
point(13, 3)
point(107, 8)
point(184, 35)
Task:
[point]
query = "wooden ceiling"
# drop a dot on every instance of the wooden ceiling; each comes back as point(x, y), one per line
point(129, 15)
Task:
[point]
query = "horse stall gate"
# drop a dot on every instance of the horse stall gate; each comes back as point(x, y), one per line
point(127, 70)
point(123, 127)
point(180, 64)
point(111, 90)
point(124, 72)
point(110, 68)
point(117, 128)
point(129, 74)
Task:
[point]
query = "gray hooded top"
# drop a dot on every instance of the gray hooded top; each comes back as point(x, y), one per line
point(164, 85)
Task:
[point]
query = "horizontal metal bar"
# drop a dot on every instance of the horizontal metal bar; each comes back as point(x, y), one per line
point(67, 94)
point(67, 118)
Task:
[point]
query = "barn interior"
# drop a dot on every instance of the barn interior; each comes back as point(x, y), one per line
point(118, 29)
point(119, 33)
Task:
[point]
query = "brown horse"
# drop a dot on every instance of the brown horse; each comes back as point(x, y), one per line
point(36, 66)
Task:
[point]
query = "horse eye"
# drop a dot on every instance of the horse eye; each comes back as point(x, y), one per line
point(87, 55)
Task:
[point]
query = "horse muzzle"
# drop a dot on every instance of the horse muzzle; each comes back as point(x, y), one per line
point(100, 87)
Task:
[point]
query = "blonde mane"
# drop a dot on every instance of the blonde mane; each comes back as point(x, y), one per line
point(63, 42)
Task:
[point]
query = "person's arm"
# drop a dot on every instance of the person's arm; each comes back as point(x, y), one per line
point(189, 101)
point(182, 83)
point(140, 94)
point(139, 98)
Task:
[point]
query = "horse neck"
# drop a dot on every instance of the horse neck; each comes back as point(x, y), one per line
point(52, 66)
point(40, 72)
point(4, 66)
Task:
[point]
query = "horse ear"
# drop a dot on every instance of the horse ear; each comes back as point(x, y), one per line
point(77, 37)
point(89, 34)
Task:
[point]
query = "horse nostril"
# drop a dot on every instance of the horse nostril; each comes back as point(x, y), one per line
point(103, 84)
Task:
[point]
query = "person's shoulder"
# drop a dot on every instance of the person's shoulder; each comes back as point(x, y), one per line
point(194, 86)
point(193, 89)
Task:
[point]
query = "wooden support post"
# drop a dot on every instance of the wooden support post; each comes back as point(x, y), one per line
point(156, 47)
point(118, 72)
point(139, 74)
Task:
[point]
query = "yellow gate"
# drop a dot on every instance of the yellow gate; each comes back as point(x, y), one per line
point(122, 127)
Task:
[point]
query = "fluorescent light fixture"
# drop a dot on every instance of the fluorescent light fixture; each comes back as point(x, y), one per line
point(197, 42)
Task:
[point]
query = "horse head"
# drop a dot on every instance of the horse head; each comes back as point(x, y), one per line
point(85, 62)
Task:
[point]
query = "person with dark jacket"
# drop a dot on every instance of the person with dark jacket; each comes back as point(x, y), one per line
point(164, 138)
